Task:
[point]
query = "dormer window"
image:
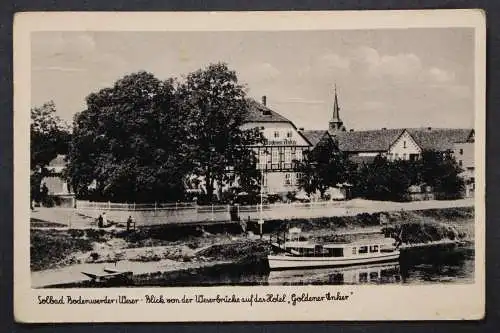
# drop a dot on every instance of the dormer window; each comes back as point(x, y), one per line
point(404, 144)
point(276, 134)
point(289, 134)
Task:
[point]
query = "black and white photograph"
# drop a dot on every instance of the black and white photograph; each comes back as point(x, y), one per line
point(335, 159)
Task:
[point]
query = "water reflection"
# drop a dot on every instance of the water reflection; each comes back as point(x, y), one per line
point(369, 274)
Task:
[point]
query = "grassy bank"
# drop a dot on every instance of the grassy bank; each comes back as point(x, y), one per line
point(51, 248)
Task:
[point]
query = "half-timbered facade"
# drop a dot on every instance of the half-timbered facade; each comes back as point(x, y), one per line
point(284, 146)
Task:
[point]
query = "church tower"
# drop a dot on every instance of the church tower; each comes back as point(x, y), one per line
point(336, 124)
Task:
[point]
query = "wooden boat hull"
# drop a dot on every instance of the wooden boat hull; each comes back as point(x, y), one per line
point(296, 262)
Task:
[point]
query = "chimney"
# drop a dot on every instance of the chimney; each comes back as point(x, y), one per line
point(264, 100)
point(351, 130)
point(301, 129)
point(429, 128)
point(384, 128)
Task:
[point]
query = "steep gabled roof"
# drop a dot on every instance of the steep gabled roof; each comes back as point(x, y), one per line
point(367, 141)
point(439, 139)
point(260, 113)
point(315, 136)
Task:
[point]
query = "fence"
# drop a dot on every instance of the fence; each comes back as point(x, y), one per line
point(150, 214)
point(155, 214)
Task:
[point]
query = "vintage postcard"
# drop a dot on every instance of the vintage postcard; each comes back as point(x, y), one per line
point(249, 166)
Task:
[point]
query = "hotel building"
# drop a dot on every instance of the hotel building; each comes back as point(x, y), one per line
point(284, 146)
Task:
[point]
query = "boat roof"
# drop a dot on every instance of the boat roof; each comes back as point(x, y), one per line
point(361, 242)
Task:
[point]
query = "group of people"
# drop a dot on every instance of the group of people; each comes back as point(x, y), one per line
point(102, 221)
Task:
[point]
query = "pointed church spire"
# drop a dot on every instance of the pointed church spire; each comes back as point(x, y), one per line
point(336, 124)
point(336, 108)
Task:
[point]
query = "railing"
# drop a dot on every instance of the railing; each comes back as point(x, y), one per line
point(149, 214)
point(132, 206)
point(200, 208)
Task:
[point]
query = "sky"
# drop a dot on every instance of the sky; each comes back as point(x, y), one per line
point(385, 78)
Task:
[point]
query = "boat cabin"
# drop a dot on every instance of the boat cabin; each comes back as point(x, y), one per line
point(351, 249)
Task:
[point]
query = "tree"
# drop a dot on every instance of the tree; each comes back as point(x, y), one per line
point(130, 142)
point(384, 180)
point(217, 107)
point(441, 171)
point(49, 137)
point(322, 167)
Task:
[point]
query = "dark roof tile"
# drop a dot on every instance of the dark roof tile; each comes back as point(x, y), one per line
point(261, 113)
point(439, 139)
point(367, 141)
point(315, 136)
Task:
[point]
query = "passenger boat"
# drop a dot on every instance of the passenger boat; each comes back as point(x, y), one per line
point(297, 253)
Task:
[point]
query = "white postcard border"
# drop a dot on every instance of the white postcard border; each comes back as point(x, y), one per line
point(422, 302)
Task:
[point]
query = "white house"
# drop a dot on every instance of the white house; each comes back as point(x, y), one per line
point(284, 145)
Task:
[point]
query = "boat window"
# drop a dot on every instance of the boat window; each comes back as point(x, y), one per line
point(336, 278)
point(354, 250)
point(386, 249)
point(363, 277)
point(373, 275)
point(336, 252)
point(374, 248)
point(363, 249)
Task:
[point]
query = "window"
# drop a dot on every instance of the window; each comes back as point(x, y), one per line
point(461, 151)
point(288, 179)
point(404, 144)
point(289, 134)
point(263, 158)
point(354, 250)
point(404, 156)
point(297, 178)
point(460, 162)
point(396, 156)
point(373, 276)
point(276, 134)
point(363, 249)
point(374, 248)
point(336, 252)
point(298, 155)
point(275, 156)
point(288, 156)
point(363, 277)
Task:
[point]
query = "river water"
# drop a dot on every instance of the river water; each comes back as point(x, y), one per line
point(436, 264)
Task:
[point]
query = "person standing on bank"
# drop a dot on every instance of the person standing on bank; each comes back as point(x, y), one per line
point(104, 220)
point(100, 221)
point(129, 222)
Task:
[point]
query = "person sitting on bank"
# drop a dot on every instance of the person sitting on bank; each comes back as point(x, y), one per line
point(100, 221)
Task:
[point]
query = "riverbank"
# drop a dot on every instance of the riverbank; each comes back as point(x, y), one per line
point(59, 256)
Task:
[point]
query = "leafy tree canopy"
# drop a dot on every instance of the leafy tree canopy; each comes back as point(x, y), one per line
point(49, 136)
point(322, 167)
point(129, 142)
point(217, 107)
point(139, 140)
